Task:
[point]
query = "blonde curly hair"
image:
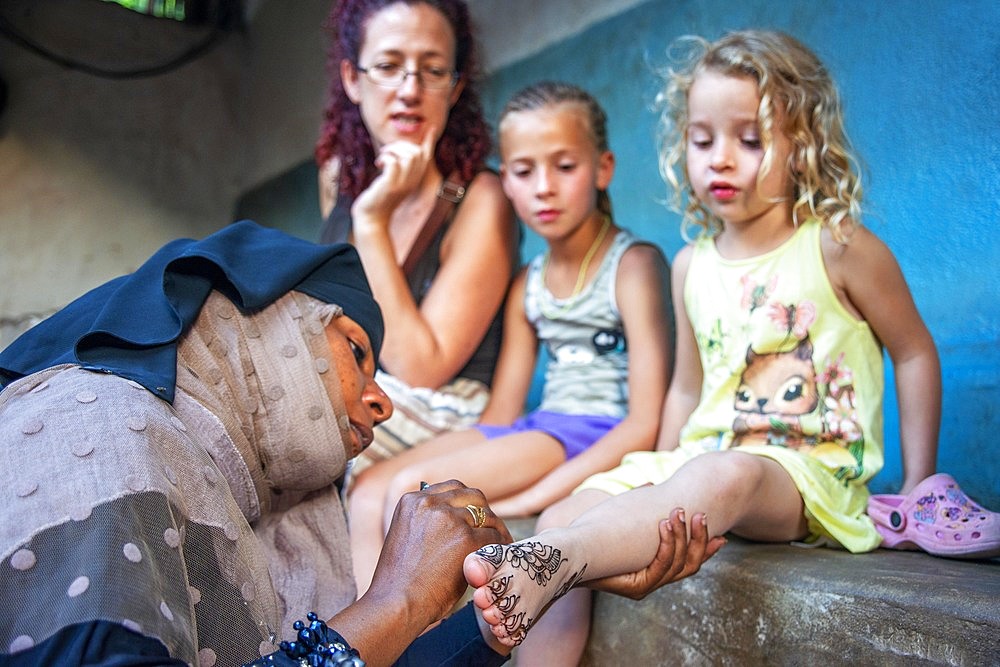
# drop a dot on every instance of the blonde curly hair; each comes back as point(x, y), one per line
point(793, 85)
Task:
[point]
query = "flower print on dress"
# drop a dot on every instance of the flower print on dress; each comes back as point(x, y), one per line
point(837, 377)
point(713, 342)
point(793, 319)
point(754, 294)
point(840, 417)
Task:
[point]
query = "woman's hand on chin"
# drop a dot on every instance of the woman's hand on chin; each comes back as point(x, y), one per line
point(402, 166)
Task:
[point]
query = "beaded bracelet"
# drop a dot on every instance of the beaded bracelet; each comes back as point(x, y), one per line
point(319, 646)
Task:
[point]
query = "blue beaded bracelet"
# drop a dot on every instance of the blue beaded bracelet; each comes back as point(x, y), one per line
point(318, 646)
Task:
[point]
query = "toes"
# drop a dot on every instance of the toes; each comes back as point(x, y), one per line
point(496, 618)
point(503, 635)
point(477, 571)
point(484, 600)
point(493, 594)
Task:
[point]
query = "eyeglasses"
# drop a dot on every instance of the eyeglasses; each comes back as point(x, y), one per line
point(391, 75)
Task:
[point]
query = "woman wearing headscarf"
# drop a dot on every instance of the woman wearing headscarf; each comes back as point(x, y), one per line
point(170, 445)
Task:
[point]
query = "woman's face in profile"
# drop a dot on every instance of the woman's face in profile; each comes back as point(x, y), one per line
point(413, 37)
point(366, 403)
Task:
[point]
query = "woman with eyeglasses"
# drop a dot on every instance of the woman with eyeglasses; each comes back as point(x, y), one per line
point(403, 178)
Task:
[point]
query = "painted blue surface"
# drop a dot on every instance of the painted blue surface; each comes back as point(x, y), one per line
point(921, 86)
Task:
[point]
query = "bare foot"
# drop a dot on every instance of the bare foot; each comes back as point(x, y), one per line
point(515, 584)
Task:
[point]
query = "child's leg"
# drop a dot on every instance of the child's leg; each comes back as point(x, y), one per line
point(497, 467)
point(560, 636)
point(366, 501)
point(750, 495)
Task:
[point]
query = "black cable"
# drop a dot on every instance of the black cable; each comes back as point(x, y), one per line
point(224, 20)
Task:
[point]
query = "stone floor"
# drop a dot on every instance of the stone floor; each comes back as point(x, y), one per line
point(756, 604)
point(776, 604)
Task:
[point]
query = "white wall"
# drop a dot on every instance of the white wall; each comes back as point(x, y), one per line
point(510, 30)
point(96, 174)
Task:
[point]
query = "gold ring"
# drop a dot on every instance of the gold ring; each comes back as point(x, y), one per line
point(478, 515)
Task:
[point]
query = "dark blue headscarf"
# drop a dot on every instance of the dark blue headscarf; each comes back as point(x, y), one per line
point(130, 326)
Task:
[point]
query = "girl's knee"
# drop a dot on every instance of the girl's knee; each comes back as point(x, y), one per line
point(364, 488)
point(744, 480)
point(726, 469)
point(406, 480)
point(563, 512)
point(551, 517)
point(371, 490)
point(371, 481)
point(365, 499)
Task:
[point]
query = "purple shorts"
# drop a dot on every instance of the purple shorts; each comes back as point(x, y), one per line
point(574, 432)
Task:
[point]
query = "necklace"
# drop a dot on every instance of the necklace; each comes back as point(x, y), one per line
point(581, 276)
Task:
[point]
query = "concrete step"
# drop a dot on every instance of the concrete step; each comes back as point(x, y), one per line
point(761, 604)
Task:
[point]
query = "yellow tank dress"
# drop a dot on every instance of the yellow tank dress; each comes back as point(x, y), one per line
point(788, 373)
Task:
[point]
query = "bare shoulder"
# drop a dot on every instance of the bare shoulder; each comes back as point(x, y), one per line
point(863, 255)
point(681, 262)
point(854, 267)
point(861, 239)
point(484, 222)
point(487, 181)
point(519, 283)
point(485, 191)
point(643, 277)
point(484, 215)
point(330, 170)
point(642, 258)
point(329, 185)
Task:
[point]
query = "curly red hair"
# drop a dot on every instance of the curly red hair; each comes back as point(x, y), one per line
point(466, 141)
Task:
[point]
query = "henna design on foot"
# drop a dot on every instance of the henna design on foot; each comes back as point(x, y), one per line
point(492, 553)
point(499, 587)
point(517, 627)
point(542, 563)
point(570, 583)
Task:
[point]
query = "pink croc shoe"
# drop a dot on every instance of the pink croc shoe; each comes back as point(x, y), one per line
point(938, 518)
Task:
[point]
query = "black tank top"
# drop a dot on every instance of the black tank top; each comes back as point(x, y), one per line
point(336, 229)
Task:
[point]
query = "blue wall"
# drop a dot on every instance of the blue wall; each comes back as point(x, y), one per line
point(921, 86)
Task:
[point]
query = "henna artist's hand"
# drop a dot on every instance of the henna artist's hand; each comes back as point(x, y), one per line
point(419, 575)
point(676, 558)
point(431, 532)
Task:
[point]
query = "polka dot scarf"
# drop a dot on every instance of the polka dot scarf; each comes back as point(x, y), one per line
point(210, 524)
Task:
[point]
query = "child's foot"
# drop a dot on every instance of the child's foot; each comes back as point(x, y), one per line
point(515, 583)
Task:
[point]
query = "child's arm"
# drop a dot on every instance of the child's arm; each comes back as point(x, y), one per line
point(516, 362)
point(869, 281)
point(685, 385)
point(642, 300)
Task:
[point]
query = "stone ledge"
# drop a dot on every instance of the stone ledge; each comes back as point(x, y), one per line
point(757, 604)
